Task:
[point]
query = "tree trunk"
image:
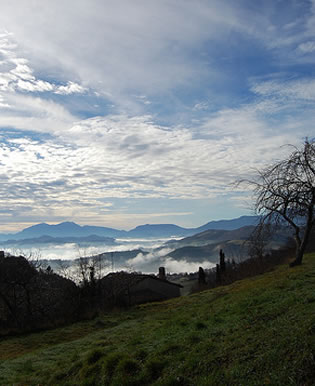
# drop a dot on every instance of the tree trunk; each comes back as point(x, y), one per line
point(298, 258)
point(301, 246)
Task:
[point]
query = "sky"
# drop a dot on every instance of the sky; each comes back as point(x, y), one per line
point(119, 113)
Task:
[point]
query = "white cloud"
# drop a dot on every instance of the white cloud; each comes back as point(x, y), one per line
point(27, 112)
point(158, 48)
point(298, 89)
point(70, 88)
point(87, 164)
point(185, 266)
point(201, 106)
point(3, 104)
point(307, 47)
point(17, 75)
point(119, 48)
point(150, 262)
point(148, 258)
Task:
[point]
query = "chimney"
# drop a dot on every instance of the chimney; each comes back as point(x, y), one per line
point(162, 274)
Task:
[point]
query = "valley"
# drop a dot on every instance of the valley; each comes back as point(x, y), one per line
point(144, 248)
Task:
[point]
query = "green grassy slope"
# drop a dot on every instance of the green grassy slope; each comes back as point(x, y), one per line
point(254, 332)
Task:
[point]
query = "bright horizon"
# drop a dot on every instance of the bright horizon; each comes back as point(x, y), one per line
point(118, 114)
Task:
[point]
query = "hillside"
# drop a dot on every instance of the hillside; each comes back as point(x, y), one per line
point(230, 224)
point(209, 252)
point(254, 332)
point(205, 246)
point(209, 242)
point(218, 235)
point(215, 235)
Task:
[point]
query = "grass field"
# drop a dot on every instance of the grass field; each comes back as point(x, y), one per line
point(257, 331)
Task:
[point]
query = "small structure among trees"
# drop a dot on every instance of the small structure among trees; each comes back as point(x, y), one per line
point(122, 288)
point(34, 298)
point(285, 195)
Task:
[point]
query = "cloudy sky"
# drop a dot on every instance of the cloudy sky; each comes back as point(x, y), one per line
point(119, 112)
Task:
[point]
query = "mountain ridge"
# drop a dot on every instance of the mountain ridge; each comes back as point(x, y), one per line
point(71, 229)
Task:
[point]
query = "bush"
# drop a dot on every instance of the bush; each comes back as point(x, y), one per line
point(154, 367)
point(128, 366)
point(94, 356)
point(111, 362)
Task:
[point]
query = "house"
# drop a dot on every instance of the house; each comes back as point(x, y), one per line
point(122, 288)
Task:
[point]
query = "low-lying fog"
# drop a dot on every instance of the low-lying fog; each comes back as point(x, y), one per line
point(153, 256)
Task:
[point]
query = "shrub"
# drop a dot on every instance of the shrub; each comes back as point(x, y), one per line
point(141, 354)
point(154, 367)
point(94, 356)
point(89, 373)
point(111, 362)
point(128, 366)
point(200, 326)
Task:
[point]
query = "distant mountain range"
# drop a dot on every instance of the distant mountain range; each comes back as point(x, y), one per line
point(68, 230)
point(191, 246)
point(61, 240)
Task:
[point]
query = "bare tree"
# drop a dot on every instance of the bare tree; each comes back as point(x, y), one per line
point(65, 270)
point(89, 267)
point(33, 256)
point(285, 194)
point(257, 243)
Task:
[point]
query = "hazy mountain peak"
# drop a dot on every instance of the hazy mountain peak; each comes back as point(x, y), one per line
point(71, 229)
point(67, 224)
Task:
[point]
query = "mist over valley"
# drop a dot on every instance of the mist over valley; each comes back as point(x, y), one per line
point(144, 248)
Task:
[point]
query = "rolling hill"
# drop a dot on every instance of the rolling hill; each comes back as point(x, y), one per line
point(205, 246)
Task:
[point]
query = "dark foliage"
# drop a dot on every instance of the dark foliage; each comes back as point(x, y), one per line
point(228, 271)
point(201, 276)
point(33, 299)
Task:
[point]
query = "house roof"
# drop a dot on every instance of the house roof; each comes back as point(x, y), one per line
point(120, 281)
